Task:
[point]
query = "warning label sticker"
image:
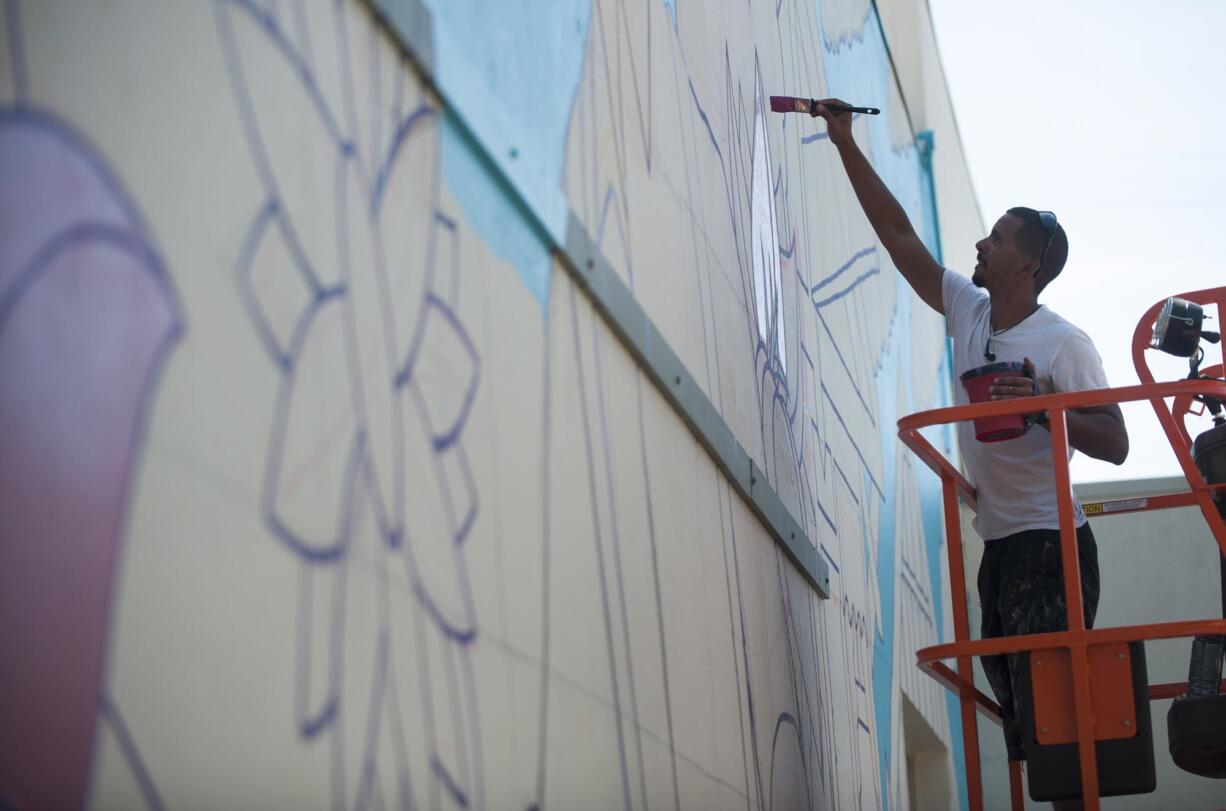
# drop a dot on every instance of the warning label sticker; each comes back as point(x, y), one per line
point(1120, 505)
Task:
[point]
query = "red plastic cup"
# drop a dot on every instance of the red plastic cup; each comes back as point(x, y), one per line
point(976, 382)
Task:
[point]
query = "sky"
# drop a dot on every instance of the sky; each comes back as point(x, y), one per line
point(1111, 115)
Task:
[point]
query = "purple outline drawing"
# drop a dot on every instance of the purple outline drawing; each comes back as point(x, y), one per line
point(384, 452)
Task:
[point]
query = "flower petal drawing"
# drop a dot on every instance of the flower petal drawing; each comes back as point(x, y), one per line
point(370, 335)
point(276, 287)
point(314, 457)
point(445, 373)
point(276, 89)
point(321, 592)
point(435, 568)
point(350, 274)
point(409, 173)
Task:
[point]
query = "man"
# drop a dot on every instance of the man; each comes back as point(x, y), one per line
point(1021, 589)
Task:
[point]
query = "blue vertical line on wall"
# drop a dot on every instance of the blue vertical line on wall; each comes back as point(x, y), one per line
point(883, 641)
point(928, 484)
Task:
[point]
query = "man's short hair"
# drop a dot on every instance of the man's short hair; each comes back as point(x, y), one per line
point(1032, 237)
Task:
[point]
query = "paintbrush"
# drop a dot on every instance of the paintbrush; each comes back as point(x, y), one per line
point(793, 104)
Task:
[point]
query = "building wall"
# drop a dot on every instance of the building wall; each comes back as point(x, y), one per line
point(326, 484)
point(917, 59)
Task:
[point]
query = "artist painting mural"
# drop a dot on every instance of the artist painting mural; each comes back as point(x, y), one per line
point(346, 494)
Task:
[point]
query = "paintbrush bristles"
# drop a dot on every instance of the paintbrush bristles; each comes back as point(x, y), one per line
point(789, 104)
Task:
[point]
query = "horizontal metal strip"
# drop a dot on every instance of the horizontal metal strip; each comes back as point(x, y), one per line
point(409, 23)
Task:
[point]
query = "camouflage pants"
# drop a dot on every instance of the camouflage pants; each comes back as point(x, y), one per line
point(1021, 591)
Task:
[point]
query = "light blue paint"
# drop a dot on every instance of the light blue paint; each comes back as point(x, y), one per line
point(858, 70)
point(925, 143)
point(510, 72)
point(931, 503)
point(671, 5)
point(492, 211)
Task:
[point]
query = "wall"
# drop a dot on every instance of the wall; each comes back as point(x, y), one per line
point(325, 484)
point(917, 58)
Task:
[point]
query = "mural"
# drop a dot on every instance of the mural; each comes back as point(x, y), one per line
point(88, 317)
point(387, 448)
point(398, 522)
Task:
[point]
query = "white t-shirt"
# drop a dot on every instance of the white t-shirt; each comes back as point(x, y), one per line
point(1014, 479)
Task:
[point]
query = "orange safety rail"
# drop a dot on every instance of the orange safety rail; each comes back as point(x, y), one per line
point(1078, 638)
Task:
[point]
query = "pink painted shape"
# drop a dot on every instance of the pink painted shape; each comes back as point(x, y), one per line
point(79, 345)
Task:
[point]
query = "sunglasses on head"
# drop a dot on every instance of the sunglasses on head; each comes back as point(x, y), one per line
point(1048, 221)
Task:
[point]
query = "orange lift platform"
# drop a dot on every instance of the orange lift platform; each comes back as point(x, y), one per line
point(1088, 694)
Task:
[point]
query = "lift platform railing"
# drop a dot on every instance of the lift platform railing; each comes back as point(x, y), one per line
point(1077, 639)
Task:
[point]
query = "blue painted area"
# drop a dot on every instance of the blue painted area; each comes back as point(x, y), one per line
point(858, 70)
point(671, 5)
point(492, 211)
point(511, 72)
point(931, 505)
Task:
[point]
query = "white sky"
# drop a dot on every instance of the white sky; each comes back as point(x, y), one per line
point(1111, 113)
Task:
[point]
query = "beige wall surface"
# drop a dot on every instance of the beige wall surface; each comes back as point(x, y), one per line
point(325, 485)
point(917, 57)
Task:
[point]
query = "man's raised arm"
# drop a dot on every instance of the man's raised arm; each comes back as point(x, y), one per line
point(887, 217)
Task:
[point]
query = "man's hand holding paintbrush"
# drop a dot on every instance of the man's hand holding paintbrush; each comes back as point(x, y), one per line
point(838, 114)
point(838, 120)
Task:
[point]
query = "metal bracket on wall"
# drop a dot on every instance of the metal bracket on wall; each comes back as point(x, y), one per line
point(408, 21)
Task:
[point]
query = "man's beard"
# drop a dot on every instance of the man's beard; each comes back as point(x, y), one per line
point(977, 278)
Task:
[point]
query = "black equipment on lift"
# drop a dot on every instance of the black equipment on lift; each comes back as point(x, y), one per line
point(1196, 721)
point(1125, 754)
